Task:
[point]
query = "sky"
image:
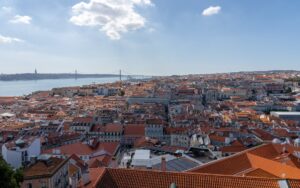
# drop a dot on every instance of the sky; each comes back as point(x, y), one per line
point(150, 37)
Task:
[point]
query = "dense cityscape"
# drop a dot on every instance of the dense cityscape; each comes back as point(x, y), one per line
point(215, 130)
point(149, 94)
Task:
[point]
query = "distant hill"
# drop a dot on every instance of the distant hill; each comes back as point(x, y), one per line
point(32, 76)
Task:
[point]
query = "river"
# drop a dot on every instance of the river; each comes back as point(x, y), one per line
point(19, 88)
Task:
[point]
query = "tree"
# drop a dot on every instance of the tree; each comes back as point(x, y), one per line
point(8, 177)
point(18, 175)
point(121, 93)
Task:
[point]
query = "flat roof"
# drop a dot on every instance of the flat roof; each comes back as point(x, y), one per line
point(141, 154)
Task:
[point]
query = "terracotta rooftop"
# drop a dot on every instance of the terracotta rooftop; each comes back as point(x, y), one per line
point(99, 161)
point(263, 135)
point(83, 120)
point(260, 173)
point(42, 169)
point(227, 166)
point(78, 162)
point(125, 178)
point(265, 157)
point(134, 130)
point(217, 138)
point(95, 174)
point(113, 128)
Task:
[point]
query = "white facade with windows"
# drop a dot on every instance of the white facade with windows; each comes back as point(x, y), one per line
point(16, 156)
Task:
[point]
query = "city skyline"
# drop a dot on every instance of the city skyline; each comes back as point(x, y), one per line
point(148, 37)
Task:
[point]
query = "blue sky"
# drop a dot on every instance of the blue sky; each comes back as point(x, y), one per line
point(154, 37)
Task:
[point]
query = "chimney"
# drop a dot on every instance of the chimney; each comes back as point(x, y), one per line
point(163, 164)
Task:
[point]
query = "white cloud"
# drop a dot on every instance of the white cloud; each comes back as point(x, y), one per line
point(113, 17)
point(8, 40)
point(21, 19)
point(211, 10)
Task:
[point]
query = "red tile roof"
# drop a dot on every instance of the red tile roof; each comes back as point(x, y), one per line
point(41, 169)
point(263, 134)
point(227, 166)
point(265, 157)
point(127, 178)
point(100, 161)
point(134, 130)
point(113, 128)
point(217, 138)
point(95, 174)
point(260, 173)
point(78, 162)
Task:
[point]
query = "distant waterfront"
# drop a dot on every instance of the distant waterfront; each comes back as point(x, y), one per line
point(19, 88)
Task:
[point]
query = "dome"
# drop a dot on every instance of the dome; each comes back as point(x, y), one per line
point(276, 141)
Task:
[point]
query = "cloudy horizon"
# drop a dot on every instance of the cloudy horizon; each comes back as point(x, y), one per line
point(149, 37)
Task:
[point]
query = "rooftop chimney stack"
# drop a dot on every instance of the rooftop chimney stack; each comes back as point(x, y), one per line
point(163, 164)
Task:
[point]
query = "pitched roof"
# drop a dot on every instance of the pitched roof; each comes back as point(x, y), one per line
point(265, 157)
point(263, 134)
point(125, 178)
point(43, 169)
point(77, 161)
point(100, 161)
point(260, 173)
point(227, 166)
point(95, 174)
point(134, 130)
point(267, 151)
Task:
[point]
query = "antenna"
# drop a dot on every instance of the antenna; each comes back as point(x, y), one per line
point(120, 74)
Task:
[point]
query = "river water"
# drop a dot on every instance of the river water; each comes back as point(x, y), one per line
point(18, 88)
